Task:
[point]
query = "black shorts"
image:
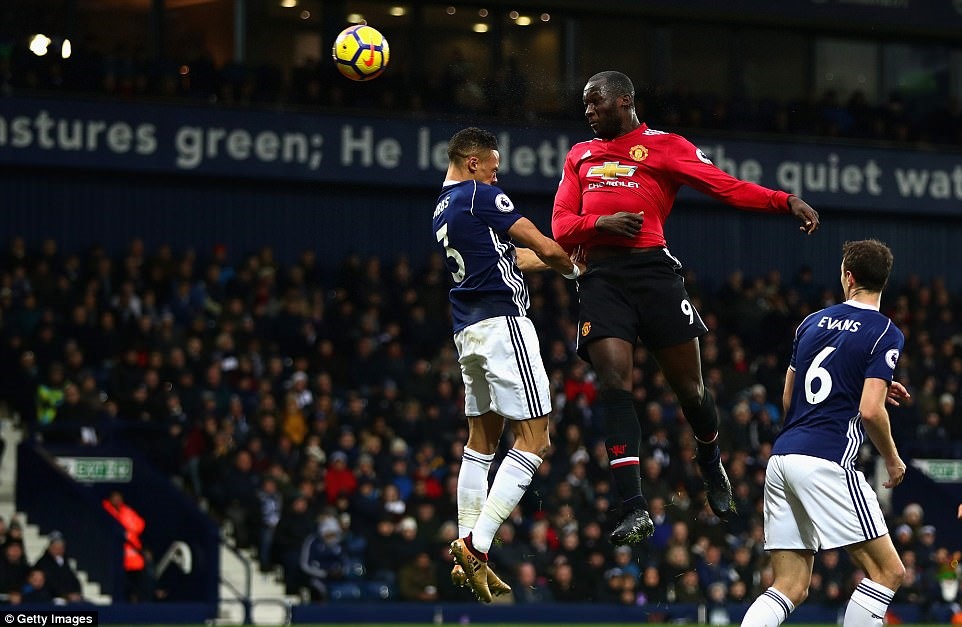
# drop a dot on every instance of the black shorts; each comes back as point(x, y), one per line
point(636, 296)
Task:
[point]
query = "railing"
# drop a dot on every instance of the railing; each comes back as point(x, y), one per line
point(242, 596)
point(285, 605)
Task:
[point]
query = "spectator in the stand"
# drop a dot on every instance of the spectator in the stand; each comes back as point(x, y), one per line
point(50, 395)
point(323, 559)
point(418, 579)
point(913, 515)
point(137, 409)
point(240, 503)
point(381, 557)
point(14, 532)
point(652, 588)
point(61, 579)
point(271, 504)
point(713, 568)
point(296, 522)
point(35, 589)
point(528, 587)
point(294, 422)
point(76, 420)
point(13, 567)
point(135, 564)
point(926, 547)
point(340, 479)
point(565, 587)
point(410, 543)
point(687, 590)
point(950, 414)
point(624, 560)
point(24, 388)
point(931, 431)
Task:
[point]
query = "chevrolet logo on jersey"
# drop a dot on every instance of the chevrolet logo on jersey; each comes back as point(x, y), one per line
point(611, 170)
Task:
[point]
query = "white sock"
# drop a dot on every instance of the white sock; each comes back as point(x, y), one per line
point(770, 609)
point(472, 488)
point(868, 604)
point(510, 482)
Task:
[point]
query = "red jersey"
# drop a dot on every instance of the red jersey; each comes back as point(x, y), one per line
point(641, 171)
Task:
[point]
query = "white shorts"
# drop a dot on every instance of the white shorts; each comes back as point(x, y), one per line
point(812, 503)
point(502, 368)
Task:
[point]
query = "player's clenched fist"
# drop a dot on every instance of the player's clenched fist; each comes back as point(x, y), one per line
point(624, 223)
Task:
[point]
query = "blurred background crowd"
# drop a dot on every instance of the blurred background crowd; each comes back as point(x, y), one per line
point(696, 68)
point(456, 90)
point(316, 412)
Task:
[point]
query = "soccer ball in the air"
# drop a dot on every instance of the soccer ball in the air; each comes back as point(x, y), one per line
point(361, 52)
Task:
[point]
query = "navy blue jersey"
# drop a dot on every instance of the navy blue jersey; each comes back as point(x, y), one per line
point(471, 223)
point(835, 351)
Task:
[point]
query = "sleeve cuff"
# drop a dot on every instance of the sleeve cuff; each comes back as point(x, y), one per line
point(784, 201)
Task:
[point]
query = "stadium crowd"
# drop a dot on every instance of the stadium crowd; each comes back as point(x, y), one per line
point(458, 92)
point(316, 413)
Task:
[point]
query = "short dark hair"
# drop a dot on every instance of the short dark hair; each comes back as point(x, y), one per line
point(616, 83)
point(470, 141)
point(869, 261)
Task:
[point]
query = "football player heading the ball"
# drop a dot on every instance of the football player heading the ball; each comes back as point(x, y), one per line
point(615, 195)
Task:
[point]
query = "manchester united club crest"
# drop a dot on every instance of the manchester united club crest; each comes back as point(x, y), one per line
point(638, 153)
point(585, 329)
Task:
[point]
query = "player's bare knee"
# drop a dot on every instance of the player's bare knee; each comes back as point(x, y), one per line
point(795, 590)
point(800, 595)
point(612, 380)
point(532, 438)
point(690, 393)
point(537, 444)
point(892, 575)
point(537, 447)
point(540, 446)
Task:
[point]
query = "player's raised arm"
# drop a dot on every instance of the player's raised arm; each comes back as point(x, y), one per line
point(693, 168)
point(545, 249)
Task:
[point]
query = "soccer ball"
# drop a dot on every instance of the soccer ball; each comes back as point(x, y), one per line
point(361, 52)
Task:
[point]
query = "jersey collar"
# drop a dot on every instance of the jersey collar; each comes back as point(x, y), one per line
point(855, 303)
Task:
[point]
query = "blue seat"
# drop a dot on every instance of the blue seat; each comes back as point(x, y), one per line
point(377, 591)
point(343, 592)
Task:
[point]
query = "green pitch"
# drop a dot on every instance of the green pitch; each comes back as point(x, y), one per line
point(514, 625)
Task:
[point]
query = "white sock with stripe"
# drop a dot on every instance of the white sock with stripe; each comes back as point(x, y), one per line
point(868, 605)
point(770, 609)
point(510, 482)
point(472, 488)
